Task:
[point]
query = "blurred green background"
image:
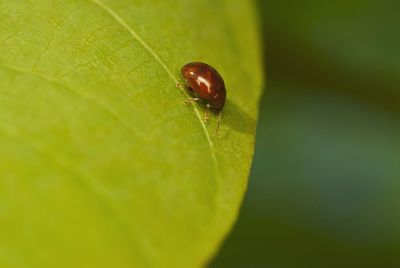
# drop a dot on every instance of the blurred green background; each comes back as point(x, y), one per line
point(324, 190)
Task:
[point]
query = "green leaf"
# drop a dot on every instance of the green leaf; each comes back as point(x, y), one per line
point(101, 163)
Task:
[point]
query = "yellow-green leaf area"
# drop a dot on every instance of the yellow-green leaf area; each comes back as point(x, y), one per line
point(101, 163)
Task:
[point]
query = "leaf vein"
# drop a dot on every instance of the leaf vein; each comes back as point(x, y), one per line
point(113, 14)
point(76, 93)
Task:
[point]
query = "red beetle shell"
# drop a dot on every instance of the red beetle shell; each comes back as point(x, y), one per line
point(206, 83)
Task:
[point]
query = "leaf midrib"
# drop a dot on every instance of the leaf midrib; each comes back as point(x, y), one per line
point(164, 66)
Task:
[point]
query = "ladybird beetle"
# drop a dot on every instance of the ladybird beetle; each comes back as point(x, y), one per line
point(205, 84)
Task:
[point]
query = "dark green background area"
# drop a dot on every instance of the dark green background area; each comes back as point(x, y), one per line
point(324, 190)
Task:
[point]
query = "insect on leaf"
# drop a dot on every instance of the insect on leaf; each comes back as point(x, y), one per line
point(101, 163)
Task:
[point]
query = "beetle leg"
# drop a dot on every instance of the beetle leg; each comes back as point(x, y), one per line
point(191, 100)
point(218, 123)
point(206, 115)
point(179, 85)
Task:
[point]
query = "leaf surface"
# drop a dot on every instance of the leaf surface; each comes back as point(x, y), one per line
point(101, 163)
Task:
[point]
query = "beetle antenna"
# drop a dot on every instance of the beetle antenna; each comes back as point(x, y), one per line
point(218, 123)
